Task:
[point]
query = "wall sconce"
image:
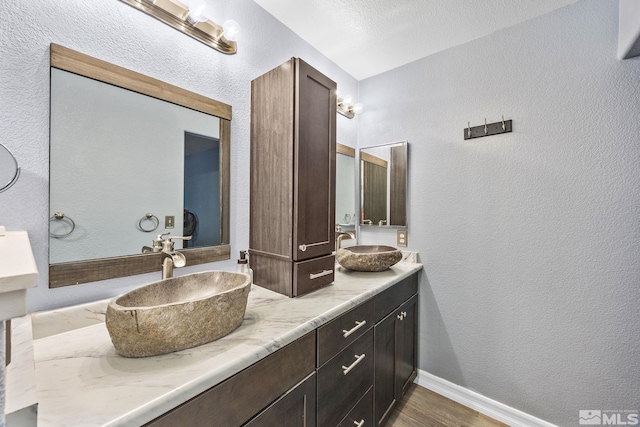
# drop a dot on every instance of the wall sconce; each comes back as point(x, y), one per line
point(346, 107)
point(189, 16)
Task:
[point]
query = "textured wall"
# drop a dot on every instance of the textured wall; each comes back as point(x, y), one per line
point(115, 32)
point(531, 240)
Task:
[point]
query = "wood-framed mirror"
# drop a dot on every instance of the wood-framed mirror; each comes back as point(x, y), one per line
point(383, 185)
point(346, 201)
point(132, 157)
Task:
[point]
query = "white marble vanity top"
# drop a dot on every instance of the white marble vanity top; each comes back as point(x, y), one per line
point(81, 381)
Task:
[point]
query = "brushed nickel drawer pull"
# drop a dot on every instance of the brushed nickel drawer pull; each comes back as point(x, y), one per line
point(400, 317)
point(304, 247)
point(346, 369)
point(359, 424)
point(322, 274)
point(359, 325)
point(404, 314)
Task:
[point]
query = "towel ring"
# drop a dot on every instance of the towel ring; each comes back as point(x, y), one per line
point(149, 217)
point(5, 155)
point(59, 216)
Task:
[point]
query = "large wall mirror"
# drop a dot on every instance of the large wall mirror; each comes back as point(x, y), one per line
point(131, 158)
point(383, 185)
point(345, 187)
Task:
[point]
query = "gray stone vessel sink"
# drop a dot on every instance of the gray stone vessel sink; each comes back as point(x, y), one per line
point(177, 313)
point(368, 258)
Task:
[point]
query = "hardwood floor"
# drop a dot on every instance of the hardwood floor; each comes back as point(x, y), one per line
point(424, 408)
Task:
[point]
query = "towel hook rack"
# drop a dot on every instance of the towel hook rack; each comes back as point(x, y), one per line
point(488, 129)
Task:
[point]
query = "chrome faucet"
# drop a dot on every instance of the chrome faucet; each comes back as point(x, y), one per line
point(344, 235)
point(171, 258)
point(157, 244)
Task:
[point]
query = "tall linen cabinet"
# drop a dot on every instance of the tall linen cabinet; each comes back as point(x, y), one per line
point(293, 156)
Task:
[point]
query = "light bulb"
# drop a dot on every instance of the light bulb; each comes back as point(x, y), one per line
point(346, 101)
point(231, 30)
point(197, 11)
point(357, 108)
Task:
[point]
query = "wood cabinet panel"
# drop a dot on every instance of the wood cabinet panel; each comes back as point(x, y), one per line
point(339, 391)
point(313, 274)
point(239, 398)
point(391, 298)
point(271, 162)
point(385, 368)
point(297, 408)
point(362, 413)
point(395, 349)
point(315, 151)
point(331, 336)
point(406, 346)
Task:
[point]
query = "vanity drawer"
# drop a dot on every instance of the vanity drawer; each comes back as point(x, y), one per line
point(313, 274)
point(343, 330)
point(390, 299)
point(362, 414)
point(344, 380)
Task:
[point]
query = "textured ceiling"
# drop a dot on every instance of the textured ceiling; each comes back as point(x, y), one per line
point(368, 37)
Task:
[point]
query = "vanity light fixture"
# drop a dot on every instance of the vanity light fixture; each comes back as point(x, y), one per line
point(346, 107)
point(190, 17)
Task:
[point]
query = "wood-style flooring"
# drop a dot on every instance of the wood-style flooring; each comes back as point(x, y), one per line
point(423, 408)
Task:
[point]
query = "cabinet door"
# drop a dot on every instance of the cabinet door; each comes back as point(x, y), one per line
point(297, 408)
point(314, 164)
point(395, 357)
point(385, 368)
point(406, 329)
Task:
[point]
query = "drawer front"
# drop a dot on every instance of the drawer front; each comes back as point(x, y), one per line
point(390, 299)
point(313, 274)
point(343, 330)
point(236, 400)
point(362, 414)
point(344, 380)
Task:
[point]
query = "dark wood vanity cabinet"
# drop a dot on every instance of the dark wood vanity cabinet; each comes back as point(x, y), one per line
point(349, 372)
point(293, 150)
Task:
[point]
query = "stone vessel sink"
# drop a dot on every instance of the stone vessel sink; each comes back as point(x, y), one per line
point(368, 258)
point(177, 313)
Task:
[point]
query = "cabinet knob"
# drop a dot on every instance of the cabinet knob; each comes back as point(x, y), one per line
point(404, 314)
point(400, 317)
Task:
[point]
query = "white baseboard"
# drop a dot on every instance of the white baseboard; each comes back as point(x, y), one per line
point(478, 402)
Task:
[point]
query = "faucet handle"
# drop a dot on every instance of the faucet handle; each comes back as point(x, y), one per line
point(179, 238)
point(167, 245)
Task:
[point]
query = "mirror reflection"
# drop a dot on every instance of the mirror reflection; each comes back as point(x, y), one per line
point(117, 156)
point(132, 158)
point(383, 185)
point(9, 170)
point(345, 187)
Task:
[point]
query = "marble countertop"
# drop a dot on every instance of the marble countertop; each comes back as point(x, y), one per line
point(81, 381)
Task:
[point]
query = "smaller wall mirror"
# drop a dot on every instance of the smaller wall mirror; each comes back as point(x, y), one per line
point(9, 170)
point(345, 187)
point(383, 185)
